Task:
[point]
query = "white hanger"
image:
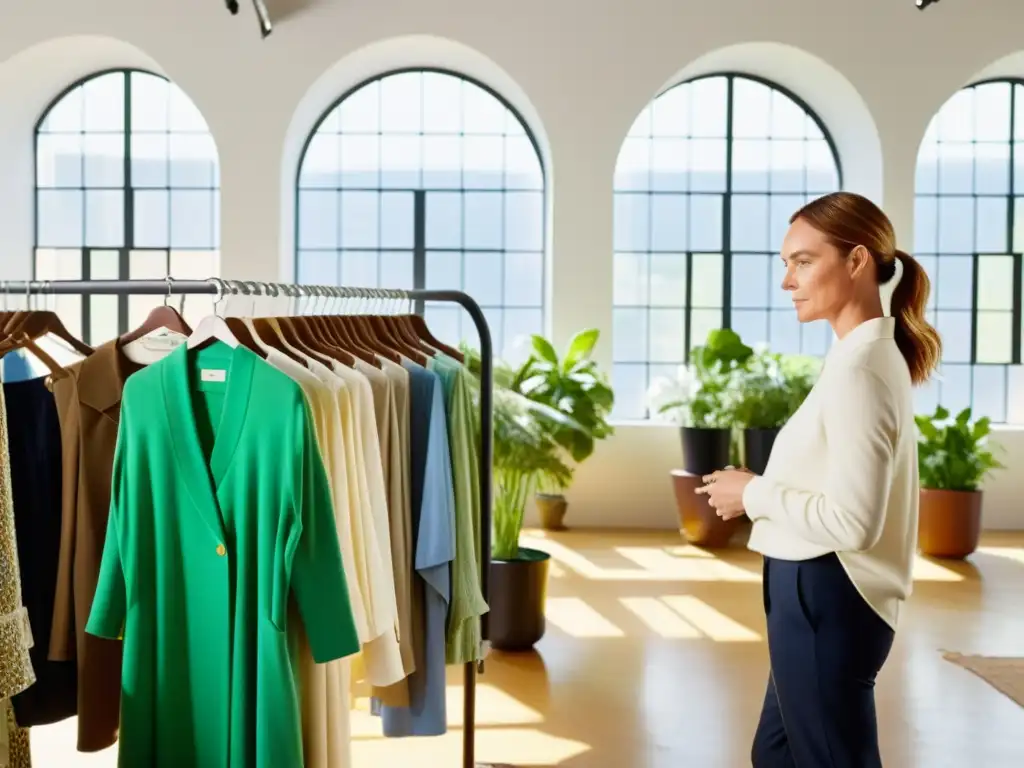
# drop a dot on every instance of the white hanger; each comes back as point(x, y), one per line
point(213, 327)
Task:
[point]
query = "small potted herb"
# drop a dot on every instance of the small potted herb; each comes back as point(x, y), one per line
point(766, 393)
point(702, 402)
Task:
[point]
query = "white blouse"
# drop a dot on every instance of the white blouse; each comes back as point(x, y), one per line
point(843, 473)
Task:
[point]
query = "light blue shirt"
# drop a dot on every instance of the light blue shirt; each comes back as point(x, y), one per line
point(433, 523)
point(16, 367)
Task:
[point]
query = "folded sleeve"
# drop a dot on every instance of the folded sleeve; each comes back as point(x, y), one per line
point(861, 424)
point(313, 554)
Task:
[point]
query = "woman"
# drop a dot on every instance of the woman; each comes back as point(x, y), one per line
point(835, 513)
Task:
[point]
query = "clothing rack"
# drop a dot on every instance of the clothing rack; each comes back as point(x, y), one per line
point(171, 287)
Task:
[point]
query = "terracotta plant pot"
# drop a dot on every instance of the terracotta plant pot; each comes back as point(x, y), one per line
point(699, 524)
point(949, 524)
point(552, 508)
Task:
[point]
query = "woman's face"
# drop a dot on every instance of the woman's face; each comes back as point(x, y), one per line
point(818, 277)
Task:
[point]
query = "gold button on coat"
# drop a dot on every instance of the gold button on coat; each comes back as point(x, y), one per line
point(220, 550)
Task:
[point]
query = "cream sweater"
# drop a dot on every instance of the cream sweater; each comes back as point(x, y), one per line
point(843, 472)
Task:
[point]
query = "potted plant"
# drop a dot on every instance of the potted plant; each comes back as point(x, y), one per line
point(704, 409)
point(953, 460)
point(767, 392)
point(572, 385)
point(525, 454)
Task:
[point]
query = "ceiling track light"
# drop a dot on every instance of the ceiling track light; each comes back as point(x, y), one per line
point(922, 4)
point(264, 15)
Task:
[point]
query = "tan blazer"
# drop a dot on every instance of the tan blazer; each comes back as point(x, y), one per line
point(89, 407)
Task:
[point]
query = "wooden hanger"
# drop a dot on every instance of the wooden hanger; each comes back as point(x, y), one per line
point(302, 327)
point(293, 333)
point(316, 327)
point(164, 317)
point(361, 329)
point(418, 326)
point(21, 341)
point(382, 327)
point(34, 323)
point(279, 333)
point(401, 329)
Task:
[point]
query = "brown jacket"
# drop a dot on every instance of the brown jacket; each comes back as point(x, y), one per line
point(89, 406)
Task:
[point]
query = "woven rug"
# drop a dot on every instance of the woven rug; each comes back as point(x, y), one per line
point(1005, 674)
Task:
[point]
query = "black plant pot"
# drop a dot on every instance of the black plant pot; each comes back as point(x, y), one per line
point(705, 450)
point(518, 592)
point(757, 447)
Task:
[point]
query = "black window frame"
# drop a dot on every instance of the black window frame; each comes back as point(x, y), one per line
point(1015, 190)
point(420, 193)
point(128, 190)
point(728, 253)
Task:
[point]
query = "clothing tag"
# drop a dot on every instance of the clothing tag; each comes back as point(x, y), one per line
point(163, 340)
point(213, 375)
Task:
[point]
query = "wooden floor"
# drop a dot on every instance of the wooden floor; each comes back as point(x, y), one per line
point(655, 658)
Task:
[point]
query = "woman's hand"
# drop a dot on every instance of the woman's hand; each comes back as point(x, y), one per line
point(724, 489)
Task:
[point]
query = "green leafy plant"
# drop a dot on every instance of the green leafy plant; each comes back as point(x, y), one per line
point(769, 388)
point(572, 385)
point(525, 457)
point(707, 400)
point(525, 453)
point(953, 452)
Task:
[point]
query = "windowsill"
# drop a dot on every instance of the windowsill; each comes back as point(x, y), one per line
point(648, 423)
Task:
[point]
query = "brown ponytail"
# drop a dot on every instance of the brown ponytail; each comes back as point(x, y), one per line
point(849, 220)
point(917, 339)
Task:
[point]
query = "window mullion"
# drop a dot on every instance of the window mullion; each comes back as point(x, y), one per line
point(727, 209)
point(128, 208)
point(419, 252)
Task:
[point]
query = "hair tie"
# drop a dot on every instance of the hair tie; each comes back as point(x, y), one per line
point(892, 270)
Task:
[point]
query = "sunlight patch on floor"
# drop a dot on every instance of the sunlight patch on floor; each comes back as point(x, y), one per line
point(520, 747)
point(691, 564)
point(54, 744)
point(661, 619)
point(713, 623)
point(577, 618)
point(1009, 553)
point(929, 570)
point(654, 564)
point(494, 707)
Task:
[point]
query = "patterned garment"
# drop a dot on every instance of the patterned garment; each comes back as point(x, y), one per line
point(14, 744)
point(16, 673)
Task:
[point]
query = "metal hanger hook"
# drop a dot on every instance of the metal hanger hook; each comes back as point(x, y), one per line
point(219, 285)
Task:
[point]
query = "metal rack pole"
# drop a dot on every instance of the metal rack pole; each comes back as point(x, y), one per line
point(180, 287)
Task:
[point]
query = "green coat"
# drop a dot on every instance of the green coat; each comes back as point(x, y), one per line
point(221, 522)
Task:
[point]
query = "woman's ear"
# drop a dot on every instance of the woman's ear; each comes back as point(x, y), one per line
point(858, 261)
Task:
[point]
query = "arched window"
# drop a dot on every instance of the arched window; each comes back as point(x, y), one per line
point(127, 187)
point(426, 179)
point(969, 234)
point(705, 184)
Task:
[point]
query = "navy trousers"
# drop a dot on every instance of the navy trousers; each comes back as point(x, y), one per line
point(826, 646)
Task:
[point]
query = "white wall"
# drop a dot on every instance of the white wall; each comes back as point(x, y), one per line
point(578, 70)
